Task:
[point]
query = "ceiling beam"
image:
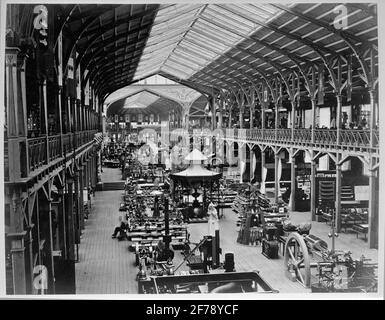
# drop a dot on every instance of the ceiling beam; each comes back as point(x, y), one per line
point(90, 21)
point(220, 65)
point(100, 52)
point(114, 79)
point(345, 35)
point(318, 49)
point(262, 75)
point(96, 72)
point(68, 12)
point(111, 26)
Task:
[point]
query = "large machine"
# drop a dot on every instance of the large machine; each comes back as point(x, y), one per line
point(336, 270)
point(232, 282)
point(157, 273)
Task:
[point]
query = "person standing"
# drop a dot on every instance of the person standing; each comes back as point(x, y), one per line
point(213, 223)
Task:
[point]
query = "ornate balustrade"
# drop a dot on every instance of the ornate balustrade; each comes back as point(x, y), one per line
point(6, 161)
point(325, 136)
point(283, 135)
point(322, 137)
point(54, 147)
point(37, 152)
point(268, 135)
point(254, 134)
point(301, 136)
point(37, 147)
point(68, 143)
point(356, 137)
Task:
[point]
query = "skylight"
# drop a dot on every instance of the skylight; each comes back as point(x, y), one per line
point(185, 38)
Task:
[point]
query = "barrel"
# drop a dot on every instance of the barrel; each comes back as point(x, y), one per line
point(229, 262)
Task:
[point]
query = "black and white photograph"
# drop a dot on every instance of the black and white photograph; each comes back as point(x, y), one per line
point(191, 150)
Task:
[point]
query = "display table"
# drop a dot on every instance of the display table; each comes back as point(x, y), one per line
point(361, 228)
point(151, 235)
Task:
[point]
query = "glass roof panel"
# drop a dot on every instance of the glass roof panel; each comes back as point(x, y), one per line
point(192, 56)
point(162, 44)
point(164, 36)
point(179, 66)
point(174, 72)
point(140, 100)
point(172, 24)
point(186, 62)
point(192, 47)
point(200, 38)
point(169, 27)
point(231, 23)
point(225, 11)
point(216, 31)
point(190, 40)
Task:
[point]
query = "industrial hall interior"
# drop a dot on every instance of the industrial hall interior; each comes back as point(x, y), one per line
point(191, 148)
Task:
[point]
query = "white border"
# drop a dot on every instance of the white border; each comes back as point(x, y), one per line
point(280, 296)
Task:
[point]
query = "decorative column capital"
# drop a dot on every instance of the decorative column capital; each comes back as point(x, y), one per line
point(11, 56)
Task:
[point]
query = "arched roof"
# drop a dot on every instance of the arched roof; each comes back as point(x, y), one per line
point(214, 46)
point(148, 100)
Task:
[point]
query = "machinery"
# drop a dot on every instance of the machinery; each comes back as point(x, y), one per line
point(157, 274)
point(209, 254)
point(270, 244)
point(157, 261)
point(231, 282)
point(337, 271)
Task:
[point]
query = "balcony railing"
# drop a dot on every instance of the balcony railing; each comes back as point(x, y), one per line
point(356, 137)
point(68, 142)
point(37, 147)
point(268, 134)
point(6, 161)
point(283, 134)
point(301, 136)
point(54, 147)
point(325, 137)
point(37, 152)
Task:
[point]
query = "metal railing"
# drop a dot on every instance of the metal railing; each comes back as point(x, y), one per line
point(269, 134)
point(325, 136)
point(37, 152)
point(283, 135)
point(355, 137)
point(301, 136)
point(37, 147)
point(54, 147)
point(349, 138)
point(6, 161)
point(68, 142)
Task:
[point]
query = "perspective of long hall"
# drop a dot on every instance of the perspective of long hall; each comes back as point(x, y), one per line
point(191, 149)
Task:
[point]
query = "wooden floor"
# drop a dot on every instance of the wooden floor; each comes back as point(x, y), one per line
point(107, 267)
point(105, 264)
point(111, 174)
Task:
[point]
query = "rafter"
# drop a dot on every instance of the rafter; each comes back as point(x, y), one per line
point(112, 26)
point(350, 39)
point(90, 21)
point(95, 72)
point(112, 41)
